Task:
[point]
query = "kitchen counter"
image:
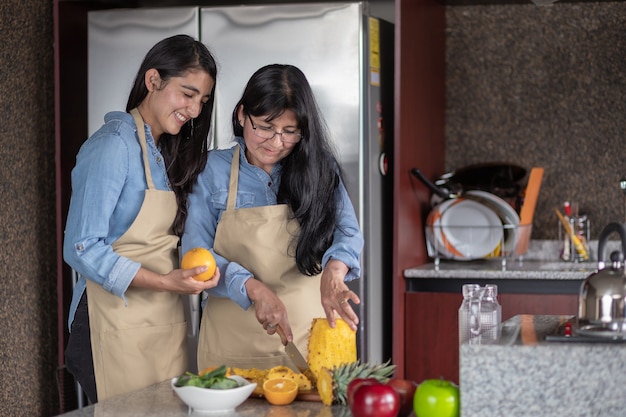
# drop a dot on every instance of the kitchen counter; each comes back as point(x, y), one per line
point(541, 265)
point(522, 374)
point(514, 269)
point(160, 400)
point(533, 276)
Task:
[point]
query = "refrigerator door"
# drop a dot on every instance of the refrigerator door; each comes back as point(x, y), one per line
point(118, 40)
point(329, 42)
point(323, 40)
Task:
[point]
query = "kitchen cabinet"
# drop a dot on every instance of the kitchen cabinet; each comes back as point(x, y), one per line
point(432, 340)
point(432, 301)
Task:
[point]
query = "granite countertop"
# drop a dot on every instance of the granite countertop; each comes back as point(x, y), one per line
point(540, 263)
point(160, 400)
point(482, 268)
point(523, 374)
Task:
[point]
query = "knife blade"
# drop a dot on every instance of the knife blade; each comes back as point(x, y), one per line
point(296, 357)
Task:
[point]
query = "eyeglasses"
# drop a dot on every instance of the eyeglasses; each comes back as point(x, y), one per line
point(267, 133)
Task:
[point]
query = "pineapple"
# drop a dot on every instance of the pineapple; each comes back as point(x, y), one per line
point(332, 384)
point(332, 359)
point(330, 347)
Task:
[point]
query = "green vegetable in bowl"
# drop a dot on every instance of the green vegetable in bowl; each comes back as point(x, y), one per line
point(216, 379)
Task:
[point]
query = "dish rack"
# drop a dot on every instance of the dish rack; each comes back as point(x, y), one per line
point(465, 243)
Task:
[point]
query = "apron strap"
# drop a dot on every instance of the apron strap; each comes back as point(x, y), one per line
point(141, 131)
point(234, 181)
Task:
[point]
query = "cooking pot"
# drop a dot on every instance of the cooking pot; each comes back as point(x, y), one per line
point(602, 301)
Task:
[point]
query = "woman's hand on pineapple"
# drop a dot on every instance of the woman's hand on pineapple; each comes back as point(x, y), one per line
point(270, 310)
point(336, 294)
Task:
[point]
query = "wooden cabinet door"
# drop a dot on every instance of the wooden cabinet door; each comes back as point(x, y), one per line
point(431, 339)
point(432, 336)
point(513, 304)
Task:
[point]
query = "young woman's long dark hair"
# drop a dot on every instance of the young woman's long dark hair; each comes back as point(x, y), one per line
point(185, 154)
point(310, 173)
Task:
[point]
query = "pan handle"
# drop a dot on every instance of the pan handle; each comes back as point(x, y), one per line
point(439, 191)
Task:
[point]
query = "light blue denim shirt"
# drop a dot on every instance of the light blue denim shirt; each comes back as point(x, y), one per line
point(108, 186)
point(256, 188)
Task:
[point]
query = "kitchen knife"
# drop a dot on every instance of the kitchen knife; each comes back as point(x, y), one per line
point(296, 357)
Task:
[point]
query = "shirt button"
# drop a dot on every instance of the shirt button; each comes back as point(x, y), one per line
point(159, 159)
point(80, 247)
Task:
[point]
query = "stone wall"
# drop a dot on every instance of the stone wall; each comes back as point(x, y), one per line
point(28, 314)
point(542, 86)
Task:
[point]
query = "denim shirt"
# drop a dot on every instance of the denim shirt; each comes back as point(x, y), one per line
point(108, 187)
point(256, 188)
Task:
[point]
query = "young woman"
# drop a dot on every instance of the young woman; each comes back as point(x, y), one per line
point(276, 214)
point(128, 208)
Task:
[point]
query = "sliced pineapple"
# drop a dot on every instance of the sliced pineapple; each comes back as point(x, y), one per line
point(304, 383)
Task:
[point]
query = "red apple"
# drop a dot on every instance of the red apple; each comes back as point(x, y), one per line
point(355, 384)
point(436, 398)
point(377, 400)
point(406, 390)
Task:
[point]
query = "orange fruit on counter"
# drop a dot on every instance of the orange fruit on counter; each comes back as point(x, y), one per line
point(279, 391)
point(199, 257)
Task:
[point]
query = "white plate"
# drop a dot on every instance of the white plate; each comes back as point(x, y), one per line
point(470, 230)
point(508, 215)
point(433, 230)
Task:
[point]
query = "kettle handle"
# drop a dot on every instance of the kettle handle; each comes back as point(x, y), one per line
point(614, 227)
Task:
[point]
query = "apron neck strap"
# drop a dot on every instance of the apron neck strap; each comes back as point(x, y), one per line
point(234, 180)
point(141, 131)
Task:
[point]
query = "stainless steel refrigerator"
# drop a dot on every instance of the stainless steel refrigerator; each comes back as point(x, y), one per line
point(346, 54)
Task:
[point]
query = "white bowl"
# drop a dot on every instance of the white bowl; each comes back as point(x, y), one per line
point(206, 400)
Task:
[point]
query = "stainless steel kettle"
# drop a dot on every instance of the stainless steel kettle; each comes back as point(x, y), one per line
point(602, 300)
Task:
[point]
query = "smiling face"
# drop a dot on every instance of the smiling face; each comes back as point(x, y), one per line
point(169, 105)
point(265, 153)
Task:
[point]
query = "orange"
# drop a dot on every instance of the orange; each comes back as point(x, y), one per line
point(199, 257)
point(279, 391)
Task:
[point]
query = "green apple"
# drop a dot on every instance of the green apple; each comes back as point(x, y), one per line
point(436, 398)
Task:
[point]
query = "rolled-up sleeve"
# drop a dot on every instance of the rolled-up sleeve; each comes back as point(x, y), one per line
point(348, 239)
point(96, 187)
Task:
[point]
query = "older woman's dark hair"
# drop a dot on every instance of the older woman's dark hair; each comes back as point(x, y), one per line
point(310, 173)
point(185, 154)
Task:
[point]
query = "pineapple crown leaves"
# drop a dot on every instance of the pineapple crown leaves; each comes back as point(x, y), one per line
point(343, 374)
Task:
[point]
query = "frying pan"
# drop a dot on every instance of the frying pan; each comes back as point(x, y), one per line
point(498, 178)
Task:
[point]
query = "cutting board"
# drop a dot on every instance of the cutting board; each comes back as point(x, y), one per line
point(527, 211)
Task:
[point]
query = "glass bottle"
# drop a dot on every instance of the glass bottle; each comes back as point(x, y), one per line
point(468, 322)
point(490, 313)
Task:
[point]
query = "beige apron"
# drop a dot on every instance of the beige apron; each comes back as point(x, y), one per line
point(257, 238)
point(142, 341)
